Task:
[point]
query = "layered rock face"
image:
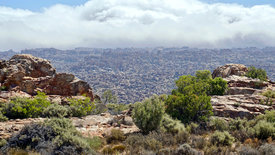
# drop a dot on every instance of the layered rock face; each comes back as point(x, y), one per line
point(30, 74)
point(244, 97)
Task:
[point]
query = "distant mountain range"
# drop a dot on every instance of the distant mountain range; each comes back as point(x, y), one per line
point(136, 73)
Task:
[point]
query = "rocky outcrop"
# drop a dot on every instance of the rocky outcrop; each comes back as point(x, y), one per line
point(230, 69)
point(241, 106)
point(31, 74)
point(244, 95)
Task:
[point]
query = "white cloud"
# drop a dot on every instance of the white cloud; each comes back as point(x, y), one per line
point(138, 23)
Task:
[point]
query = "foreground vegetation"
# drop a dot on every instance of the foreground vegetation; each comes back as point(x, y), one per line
point(180, 123)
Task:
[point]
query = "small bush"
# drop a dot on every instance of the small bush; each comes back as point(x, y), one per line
point(238, 124)
point(56, 110)
point(199, 142)
point(186, 149)
point(218, 86)
point(269, 116)
point(94, 142)
point(269, 94)
point(80, 107)
point(222, 138)
point(256, 73)
point(115, 136)
point(3, 142)
point(148, 114)
point(170, 125)
point(264, 129)
point(2, 117)
point(218, 124)
point(135, 143)
point(25, 107)
point(192, 128)
point(183, 137)
point(55, 136)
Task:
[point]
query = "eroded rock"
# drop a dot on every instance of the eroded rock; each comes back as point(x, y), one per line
point(31, 74)
point(230, 69)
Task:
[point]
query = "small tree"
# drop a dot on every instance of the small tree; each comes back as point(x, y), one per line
point(148, 114)
point(256, 73)
point(108, 97)
point(189, 108)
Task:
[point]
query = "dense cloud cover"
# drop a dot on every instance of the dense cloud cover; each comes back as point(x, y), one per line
point(138, 23)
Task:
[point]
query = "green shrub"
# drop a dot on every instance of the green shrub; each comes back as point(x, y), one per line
point(269, 116)
point(95, 142)
point(188, 84)
point(139, 142)
point(189, 102)
point(56, 110)
point(182, 137)
point(135, 143)
point(199, 142)
point(81, 107)
point(148, 114)
point(222, 138)
point(264, 129)
point(2, 117)
point(189, 108)
point(238, 124)
point(203, 75)
point(115, 136)
point(3, 142)
point(25, 107)
point(218, 86)
point(218, 124)
point(256, 73)
point(55, 136)
point(269, 93)
point(186, 149)
point(171, 125)
point(192, 127)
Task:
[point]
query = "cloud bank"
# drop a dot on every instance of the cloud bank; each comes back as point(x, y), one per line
point(138, 23)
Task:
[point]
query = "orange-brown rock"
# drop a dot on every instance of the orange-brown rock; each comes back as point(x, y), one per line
point(31, 74)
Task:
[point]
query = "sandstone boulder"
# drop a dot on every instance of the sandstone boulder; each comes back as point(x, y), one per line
point(31, 74)
point(230, 69)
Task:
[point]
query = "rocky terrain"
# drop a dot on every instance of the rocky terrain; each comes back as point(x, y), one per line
point(92, 125)
point(24, 75)
point(135, 73)
point(244, 97)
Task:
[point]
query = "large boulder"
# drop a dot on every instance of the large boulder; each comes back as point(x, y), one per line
point(230, 69)
point(31, 74)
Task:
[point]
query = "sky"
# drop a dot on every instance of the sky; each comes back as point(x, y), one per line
point(67, 24)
